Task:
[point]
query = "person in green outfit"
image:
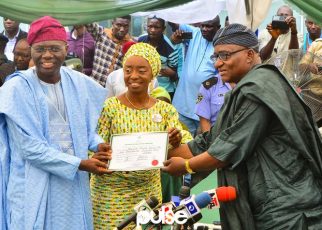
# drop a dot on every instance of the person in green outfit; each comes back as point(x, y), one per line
point(265, 143)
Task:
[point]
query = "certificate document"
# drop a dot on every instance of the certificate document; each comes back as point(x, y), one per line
point(138, 151)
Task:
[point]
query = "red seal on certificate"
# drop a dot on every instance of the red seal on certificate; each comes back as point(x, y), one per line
point(155, 162)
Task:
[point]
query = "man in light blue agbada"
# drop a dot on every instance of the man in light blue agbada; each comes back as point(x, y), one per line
point(48, 117)
point(197, 68)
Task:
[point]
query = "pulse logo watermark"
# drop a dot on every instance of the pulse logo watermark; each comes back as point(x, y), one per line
point(165, 216)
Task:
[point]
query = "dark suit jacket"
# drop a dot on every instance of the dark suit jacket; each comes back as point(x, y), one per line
point(22, 34)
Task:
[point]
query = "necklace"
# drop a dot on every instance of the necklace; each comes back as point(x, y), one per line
point(204, 53)
point(144, 107)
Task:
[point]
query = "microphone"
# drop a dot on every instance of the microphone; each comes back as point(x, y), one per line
point(193, 204)
point(222, 194)
point(183, 194)
point(175, 200)
point(144, 205)
point(191, 207)
point(190, 222)
point(209, 198)
point(226, 194)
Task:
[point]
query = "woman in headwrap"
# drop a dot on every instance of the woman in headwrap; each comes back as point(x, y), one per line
point(115, 195)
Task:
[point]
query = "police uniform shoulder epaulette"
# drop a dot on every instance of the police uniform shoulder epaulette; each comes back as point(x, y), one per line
point(210, 82)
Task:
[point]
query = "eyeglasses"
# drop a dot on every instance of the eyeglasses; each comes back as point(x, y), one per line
point(224, 55)
point(50, 49)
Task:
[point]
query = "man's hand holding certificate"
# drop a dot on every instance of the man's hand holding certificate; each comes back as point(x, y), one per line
point(138, 151)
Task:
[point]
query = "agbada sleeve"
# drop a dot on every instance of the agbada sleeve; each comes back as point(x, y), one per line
point(238, 141)
point(25, 134)
point(41, 155)
point(95, 102)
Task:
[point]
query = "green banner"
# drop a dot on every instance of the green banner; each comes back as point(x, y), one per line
point(311, 8)
point(71, 12)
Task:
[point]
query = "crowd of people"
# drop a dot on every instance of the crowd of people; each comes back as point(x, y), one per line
point(207, 85)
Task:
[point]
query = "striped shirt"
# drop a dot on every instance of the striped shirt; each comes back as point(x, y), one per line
point(108, 53)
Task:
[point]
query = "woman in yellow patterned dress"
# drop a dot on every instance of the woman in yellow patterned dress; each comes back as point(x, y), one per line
point(115, 195)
